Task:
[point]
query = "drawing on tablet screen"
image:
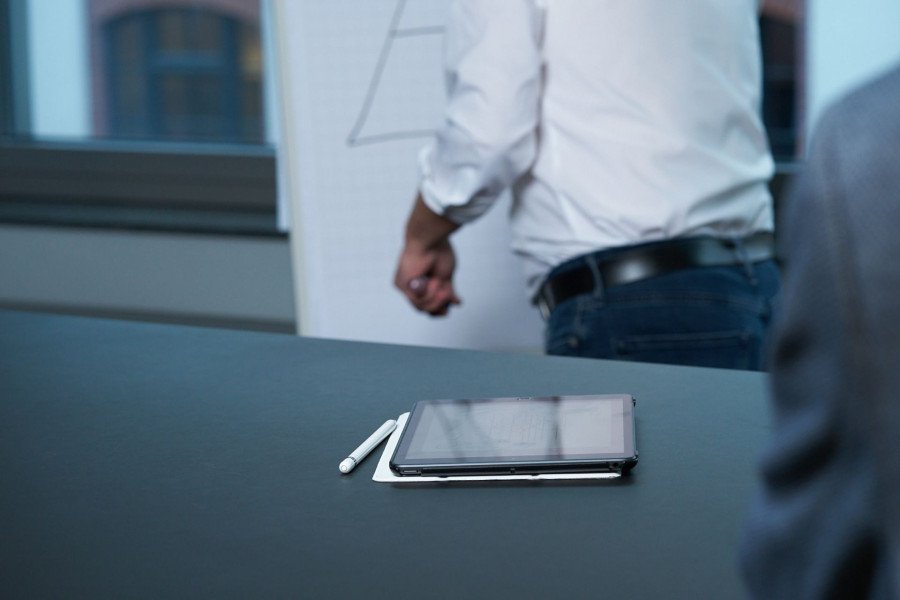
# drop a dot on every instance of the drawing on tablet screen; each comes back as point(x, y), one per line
point(405, 95)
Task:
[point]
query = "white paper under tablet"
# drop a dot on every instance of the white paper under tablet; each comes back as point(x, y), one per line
point(384, 474)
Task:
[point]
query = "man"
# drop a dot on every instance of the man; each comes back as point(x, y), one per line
point(826, 523)
point(630, 134)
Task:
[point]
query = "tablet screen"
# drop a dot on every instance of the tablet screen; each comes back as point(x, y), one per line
point(554, 429)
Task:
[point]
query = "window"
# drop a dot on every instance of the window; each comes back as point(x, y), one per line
point(184, 74)
point(137, 114)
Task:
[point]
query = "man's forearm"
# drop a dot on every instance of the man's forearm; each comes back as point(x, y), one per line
point(425, 228)
point(426, 265)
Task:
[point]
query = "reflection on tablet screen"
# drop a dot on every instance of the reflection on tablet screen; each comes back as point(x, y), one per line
point(563, 427)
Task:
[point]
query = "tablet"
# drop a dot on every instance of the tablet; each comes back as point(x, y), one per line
point(543, 434)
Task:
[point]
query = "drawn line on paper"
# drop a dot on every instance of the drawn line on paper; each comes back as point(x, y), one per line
point(394, 32)
point(414, 31)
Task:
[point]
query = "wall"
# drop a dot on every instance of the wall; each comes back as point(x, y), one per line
point(241, 282)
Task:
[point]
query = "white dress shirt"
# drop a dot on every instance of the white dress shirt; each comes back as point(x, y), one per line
point(615, 122)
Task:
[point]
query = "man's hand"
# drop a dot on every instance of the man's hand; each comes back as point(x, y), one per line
point(425, 276)
point(426, 265)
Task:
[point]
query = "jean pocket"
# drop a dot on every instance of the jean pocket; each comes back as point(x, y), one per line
point(721, 349)
point(567, 330)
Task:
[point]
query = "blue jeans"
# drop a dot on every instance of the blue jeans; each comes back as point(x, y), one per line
point(707, 316)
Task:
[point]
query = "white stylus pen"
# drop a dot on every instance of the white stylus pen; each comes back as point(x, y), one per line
point(367, 446)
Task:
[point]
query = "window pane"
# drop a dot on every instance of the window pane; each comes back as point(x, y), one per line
point(127, 88)
point(172, 26)
point(174, 108)
point(251, 57)
point(207, 32)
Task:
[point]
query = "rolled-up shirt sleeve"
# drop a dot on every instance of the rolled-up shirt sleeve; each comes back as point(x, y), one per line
point(494, 78)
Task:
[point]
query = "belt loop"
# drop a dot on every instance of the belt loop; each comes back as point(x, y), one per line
point(591, 260)
point(740, 249)
point(545, 299)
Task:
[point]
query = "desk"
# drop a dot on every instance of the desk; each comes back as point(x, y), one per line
point(154, 461)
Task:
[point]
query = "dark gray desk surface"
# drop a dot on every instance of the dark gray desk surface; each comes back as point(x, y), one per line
point(151, 461)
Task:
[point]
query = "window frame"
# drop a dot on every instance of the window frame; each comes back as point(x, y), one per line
point(15, 117)
point(160, 186)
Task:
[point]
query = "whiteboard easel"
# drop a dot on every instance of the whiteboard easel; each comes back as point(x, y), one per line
point(361, 91)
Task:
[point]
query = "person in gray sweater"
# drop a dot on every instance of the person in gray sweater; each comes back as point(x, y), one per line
point(825, 522)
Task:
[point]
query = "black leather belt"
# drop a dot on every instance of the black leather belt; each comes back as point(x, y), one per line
point(651, 260)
